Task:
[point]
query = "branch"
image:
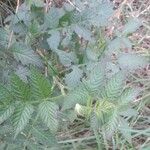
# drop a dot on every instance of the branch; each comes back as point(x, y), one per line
point(11, 34)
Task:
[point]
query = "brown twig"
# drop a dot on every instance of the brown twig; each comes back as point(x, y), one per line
point(119, 10)
point(11, 34)
point(47, 5)
point(61, 86)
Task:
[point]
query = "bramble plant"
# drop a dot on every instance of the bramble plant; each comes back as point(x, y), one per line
point(59, 68)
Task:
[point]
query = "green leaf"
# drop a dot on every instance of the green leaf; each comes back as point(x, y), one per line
point(128, 112)
point(98, 13)
point(2, 146)
point(132, 25)
point(94, 121)
point(92, 54)
point(22, 73)
point(40, 86)
point(73, 79)
point(125, 129)
point(7, 112)
point(131, 61)
point(44, 137)
point(23, 14)
point(54, 40)
point(104, 116)
point(67, 59)
point(20, 89)
point(68, 36)
point(129, 95)
point(65, 20)
point(114, 86)
point(37, 3)
point(79, 4)
point(52, 18)
point(103, 107)
point(4, 92)
point(76, 17)
point(111, 69)
point(70, 114)
point(79, 95)
point(20, 29)
point(48, 113)
point(34, 29)
point(6, 129)
point(102, 112)
point(113, 123)
point(25, 55)
point(4, 38)
point(82, 32)
point(21, 117)
point(32, 146)
point(118, 44)
point(11, 146)
point(95, 78)
point(145, 147)
point(68, 7)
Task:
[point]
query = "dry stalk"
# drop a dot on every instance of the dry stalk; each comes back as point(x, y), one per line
point(11, 34)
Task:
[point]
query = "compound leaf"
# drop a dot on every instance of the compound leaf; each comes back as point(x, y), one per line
point(131, 61)
point(25, 55)
point(21, 117)
point(73, 79)
point(40, 86)
point(48, 113)
point(7, 112)
point(114, 86)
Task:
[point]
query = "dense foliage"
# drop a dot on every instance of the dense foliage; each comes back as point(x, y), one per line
point(59, 69)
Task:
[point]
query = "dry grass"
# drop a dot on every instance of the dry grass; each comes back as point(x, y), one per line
point(141, 39)
point(140, 9)
point(124, 9)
